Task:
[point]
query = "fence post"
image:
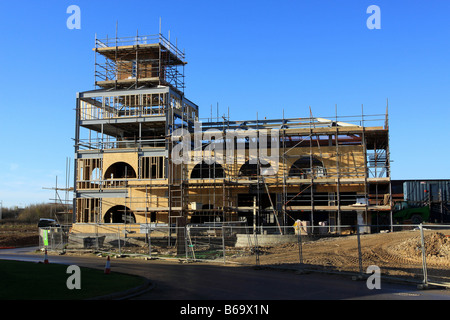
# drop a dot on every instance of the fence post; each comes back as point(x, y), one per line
point(223, 243)
point(300, 244)
point(97, 247)
point(256, 249)
point(118, 234)
point(359, 250)
point(149, 237)
point(186, 243)
point(424, 259)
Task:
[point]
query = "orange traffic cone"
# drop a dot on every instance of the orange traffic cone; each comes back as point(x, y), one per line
point(45, 257)
point(108, 266)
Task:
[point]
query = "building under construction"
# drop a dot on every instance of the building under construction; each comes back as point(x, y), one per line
point(143, 156)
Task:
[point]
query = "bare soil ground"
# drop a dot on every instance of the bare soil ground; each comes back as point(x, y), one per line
point(396, 254)
point(18, 235)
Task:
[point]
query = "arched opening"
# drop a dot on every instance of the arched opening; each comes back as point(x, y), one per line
point(119, 214)
point(250, 170)
point(207, 171)
point(120, 170)
point(305, 166)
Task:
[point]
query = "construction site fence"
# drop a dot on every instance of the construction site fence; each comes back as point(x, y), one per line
point(416, 253)
point(54, 238)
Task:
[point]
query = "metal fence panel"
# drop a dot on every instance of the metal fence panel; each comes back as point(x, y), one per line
point(436, 254)
point(410, 252)
point(53, 238)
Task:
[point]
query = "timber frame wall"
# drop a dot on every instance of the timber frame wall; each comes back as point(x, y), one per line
point(334, 169)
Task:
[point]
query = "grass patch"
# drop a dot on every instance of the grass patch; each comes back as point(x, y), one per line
point(38, 281)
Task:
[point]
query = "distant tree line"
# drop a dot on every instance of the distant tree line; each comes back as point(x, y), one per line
point(31, 213)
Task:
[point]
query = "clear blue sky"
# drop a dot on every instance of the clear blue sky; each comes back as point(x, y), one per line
point(249, 56)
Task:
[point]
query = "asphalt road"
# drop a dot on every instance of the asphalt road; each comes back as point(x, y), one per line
point(201, 282)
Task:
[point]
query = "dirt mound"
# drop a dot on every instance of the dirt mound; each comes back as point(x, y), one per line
point(19, 240)
point(437, 245)
point(18, 236)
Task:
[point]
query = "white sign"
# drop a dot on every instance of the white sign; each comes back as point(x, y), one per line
point(149, 227)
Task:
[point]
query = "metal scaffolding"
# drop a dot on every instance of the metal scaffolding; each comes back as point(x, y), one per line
point(327, 169)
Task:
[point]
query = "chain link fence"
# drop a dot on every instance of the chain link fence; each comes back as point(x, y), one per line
point(416, 253)
point(54, 238)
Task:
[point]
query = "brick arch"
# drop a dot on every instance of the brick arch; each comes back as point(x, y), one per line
point(119, 214)
point(303, 166)
point(120, 170)
point(203, 170)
